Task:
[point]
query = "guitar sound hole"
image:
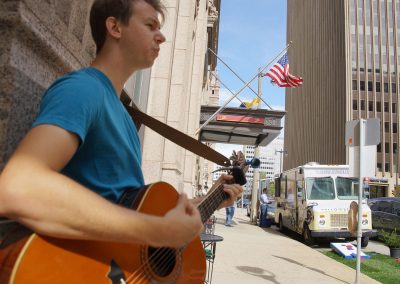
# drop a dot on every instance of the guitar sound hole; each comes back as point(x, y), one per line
point(162, 260)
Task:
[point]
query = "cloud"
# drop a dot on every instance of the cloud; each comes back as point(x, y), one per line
point(225, 95)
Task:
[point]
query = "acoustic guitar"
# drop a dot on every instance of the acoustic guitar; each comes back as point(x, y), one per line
point(46, 260)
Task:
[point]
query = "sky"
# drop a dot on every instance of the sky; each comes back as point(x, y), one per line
point(251, 34)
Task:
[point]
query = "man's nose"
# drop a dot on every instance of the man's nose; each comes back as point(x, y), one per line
point(160, 38)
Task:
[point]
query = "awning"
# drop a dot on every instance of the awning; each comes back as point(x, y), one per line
point(241, 126)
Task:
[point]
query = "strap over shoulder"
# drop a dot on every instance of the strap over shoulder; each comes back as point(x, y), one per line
point(172, 134)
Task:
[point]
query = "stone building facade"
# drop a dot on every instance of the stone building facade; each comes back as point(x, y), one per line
point(43, 39)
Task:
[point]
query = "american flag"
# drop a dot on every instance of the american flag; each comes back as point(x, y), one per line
point(279, 73)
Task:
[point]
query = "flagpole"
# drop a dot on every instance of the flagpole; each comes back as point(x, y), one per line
point(226, 87)
point(258, 95)
point(252, 79)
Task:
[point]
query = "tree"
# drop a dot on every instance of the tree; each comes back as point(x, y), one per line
point(272, 188)
point(263, 175)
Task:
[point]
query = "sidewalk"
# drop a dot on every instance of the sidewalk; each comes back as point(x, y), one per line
point(250, 254)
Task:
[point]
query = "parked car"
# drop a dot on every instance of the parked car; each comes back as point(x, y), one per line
point(270, 212)
point(385, 213)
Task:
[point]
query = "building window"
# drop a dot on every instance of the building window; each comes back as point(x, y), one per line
point(370, 86)
point(362, 86)
point(395, 127)
point(379, 166)
point(379, 148)
point(387, 128)
point(386, 87)
point(378, 106)
point(378, 87)
point(394, 88)
point(355, 85)
point(370, 106)
point(387, 148)
point(394, 148)
point(386, 107)
point(362, 105)
point(354, 104)
point(386, 167)
point(394, 110)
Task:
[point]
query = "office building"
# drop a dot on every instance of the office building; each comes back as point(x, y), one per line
point(347, 53)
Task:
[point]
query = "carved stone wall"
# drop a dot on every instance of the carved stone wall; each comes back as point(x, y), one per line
point(39, 41)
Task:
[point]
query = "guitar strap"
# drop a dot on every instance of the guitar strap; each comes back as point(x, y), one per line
point(172, 134)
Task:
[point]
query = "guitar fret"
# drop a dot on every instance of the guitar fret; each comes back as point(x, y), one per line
point(212, 202)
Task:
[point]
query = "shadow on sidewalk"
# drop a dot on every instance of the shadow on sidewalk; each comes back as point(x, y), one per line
point(259, 272)
point(310, 268)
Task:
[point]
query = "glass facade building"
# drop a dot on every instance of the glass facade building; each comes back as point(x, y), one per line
point(347, 53)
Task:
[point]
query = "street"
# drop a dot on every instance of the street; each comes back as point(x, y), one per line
point(250, 254)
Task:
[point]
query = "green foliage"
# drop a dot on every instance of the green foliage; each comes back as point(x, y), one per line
point(272, 189)
point(380, 267)
point(391, 239)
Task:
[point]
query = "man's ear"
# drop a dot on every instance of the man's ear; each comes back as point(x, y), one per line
point(113, 27)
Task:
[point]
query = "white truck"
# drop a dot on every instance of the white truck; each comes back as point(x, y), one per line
point(314, 200)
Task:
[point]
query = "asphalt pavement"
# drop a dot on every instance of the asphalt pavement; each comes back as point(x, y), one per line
point(250, 254)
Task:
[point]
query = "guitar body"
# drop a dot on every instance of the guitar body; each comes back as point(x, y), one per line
point(51, 260)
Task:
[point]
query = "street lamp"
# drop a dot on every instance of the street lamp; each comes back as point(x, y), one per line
point(281, 152)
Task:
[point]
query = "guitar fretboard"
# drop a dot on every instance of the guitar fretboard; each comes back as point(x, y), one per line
point(211, 202)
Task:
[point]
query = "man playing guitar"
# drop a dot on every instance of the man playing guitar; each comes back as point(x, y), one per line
point(83, 151)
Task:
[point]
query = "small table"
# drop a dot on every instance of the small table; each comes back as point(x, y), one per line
point(209, 244)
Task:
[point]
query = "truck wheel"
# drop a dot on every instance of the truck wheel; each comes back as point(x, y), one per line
point(280, 224)
point(308, 239)
point(364, 241)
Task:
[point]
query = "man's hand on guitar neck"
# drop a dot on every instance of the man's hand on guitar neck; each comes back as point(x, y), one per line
point(234, 191)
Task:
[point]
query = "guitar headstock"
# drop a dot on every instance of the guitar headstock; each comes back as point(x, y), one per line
point(239, 167)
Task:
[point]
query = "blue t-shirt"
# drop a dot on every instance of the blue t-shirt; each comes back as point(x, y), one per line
point(108, 158)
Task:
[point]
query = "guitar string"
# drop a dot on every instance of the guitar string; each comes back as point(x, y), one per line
point(140, 271)
point(163, 253)
point(160, 252)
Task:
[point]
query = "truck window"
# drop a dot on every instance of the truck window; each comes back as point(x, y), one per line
point(320, 188)
point(347, 188)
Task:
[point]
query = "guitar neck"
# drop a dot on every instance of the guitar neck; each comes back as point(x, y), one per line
point(212, 201)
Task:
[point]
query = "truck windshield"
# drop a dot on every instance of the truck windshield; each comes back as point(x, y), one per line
point(320, 188)
point(347, 188)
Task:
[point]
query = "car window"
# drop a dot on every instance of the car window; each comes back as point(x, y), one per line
point(396, 208)
point(384, 206)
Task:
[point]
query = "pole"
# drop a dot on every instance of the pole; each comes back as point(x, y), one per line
point(281, 152)
point(243, 81)
point(256, 174)
point(226, 87)
point(360, 207)
point(397, 167)
point(228, 101)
